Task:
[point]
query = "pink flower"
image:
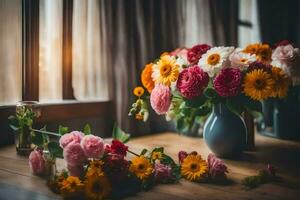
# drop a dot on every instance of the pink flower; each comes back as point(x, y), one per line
point(241, 60)
point(192, 81)
point(36, 162)
point(181, 156)
point(162, 173)
point(74, 136)
point(160, 99)
point(93, 146)
point(181, 52)
point(76, 170)
point(74, 154)
point(228, 82)
point(216, 166)
point(195, 53)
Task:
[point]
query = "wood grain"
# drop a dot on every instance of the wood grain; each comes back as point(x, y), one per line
point(283, 154)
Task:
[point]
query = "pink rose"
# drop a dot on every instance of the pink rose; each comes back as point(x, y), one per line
point(93, 146)
point(74, 154)
point(74, 136)
point(181, 52)
point(76, 170)
point(36, 162)
point(160, 99)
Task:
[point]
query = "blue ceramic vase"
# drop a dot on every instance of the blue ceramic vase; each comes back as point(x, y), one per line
point(225, 132)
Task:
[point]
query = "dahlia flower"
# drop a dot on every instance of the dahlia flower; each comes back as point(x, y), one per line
point(215, 59)
point(195, 53)
point(228, 82)
point(160, 99)
point(192, 81)
point(216, 167)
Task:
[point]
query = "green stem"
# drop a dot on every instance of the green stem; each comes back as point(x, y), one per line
point(45, 132)
point(133, 153)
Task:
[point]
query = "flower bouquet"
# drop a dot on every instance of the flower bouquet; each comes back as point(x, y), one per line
point(110, 170)
point(224, 82)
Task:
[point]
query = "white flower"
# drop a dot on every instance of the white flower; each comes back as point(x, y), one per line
point(240, 59)
point(215, 59)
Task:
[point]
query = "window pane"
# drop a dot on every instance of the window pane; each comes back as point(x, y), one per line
point(10, 51)
point(50, 63)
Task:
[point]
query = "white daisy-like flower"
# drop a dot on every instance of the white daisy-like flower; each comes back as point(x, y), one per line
point(241, 60)
point(182, 63)
point(215, 59)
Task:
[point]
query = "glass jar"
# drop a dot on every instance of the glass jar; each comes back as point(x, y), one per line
point(25, 113)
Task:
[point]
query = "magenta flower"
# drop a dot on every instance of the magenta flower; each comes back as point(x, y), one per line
point(74, 136)
point(228, 82)
point(216, 167)
point(162, 173)
point(259, 65)
point(160, 99)
point(93, 146)
point(181, 156)
point(36, 162)
point(194, 54)
point(74, 154)
point(192, 81)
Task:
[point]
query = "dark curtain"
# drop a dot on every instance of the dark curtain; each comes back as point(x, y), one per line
point(224, 18)
point(279, 20)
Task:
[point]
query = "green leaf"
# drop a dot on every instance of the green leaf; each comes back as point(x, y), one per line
point(63, 130)
point(37, 139)
point(143, 152)
point(204, 110)
point(234, 106)
point(55, 149)
point(13, 123)
point(180, 125)
point(167, 160)
point(120, 135)
point(158, 149)
point(210, 93)
point(87, 129)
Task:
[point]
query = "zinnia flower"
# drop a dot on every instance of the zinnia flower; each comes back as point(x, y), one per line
point(141, 167)
point(241, 60)
point(93, 146)
point(192, 81)
point(217, 168)
point(196, 52)
point(71, 187)
point(258, 84)
point(74, 136)
point(36, 162)
point(97, 187)
point(215, 59)
point(160, 99)
point(228, 82)
point(281, 82)
point(74, 154)
point(165, 71)
point(138, 91)
point(162, 173)
point(194, 168)
point(117, 147)
point(146, 77)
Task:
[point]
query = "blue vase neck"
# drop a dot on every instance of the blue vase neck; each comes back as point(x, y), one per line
point(221, 109)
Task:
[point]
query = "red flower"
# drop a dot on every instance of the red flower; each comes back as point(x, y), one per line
point(282, 43)
point(117, 147)
point(259, 65)
point(194, 54)
point(182, 155)
point(116, 167)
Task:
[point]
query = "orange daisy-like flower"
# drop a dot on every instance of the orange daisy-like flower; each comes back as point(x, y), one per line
point(281, 82)
point(71, 187)
point(252, 48)
point(138, 91)
point(146, 78)
point(156, 155)
point(97, 187)
point(258, 84)
point(194, 168)
point(141, 167)
point(263, 52)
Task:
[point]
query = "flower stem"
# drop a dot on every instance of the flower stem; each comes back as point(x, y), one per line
point(132, 153)
point(45, 132)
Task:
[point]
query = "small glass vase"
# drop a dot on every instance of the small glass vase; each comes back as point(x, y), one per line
point(23, 136)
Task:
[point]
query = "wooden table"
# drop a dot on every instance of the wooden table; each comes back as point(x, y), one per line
point(16, 182)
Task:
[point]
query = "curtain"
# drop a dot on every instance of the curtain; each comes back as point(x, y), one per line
point(10, 51)
point(50, 56)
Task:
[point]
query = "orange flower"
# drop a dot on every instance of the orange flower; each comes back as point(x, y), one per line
point(263, 52)
point(252, 48)
point(281, 82)
point(164, 54)
point(146, 78)
point(138, 91)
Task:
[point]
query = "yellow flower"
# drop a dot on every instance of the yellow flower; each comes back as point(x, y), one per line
point(95, 168)
point(97, 187)
point(281, 82)
point(258, 84)
point(71, 186)
point(252, 48)
point(156, 155)
point(138, 91)
point(141, 167)
point(165, 71)
point(139, 116)
point(193, 168)
point(146, 78)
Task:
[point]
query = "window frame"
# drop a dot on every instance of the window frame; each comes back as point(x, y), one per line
point(70, 108)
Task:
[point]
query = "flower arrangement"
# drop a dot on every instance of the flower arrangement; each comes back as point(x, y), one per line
point(96, 169)
point(184, 84)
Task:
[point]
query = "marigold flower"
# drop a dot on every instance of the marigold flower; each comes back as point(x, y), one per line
point(263, 52)
point(138, 91)
point(71, 187)
point(146, 77)
point(194, 168)
point(141, 167)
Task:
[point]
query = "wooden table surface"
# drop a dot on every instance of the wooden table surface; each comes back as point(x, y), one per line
point(16, 182)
